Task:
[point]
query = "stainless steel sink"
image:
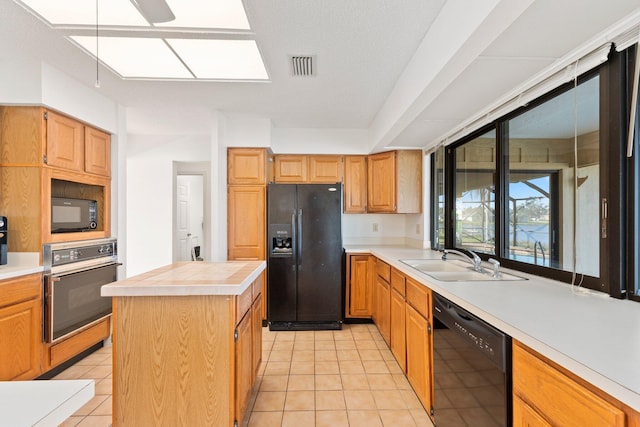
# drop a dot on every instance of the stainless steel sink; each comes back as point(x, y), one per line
point(456, 271)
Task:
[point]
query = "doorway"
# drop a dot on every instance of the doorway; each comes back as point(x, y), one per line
point(191, 218)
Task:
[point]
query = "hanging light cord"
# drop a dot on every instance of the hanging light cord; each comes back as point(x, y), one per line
point(97, 56)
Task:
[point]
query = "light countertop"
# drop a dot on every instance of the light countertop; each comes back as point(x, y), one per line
point(20, 264)
point(189, 278)
point(587, 332)
point(42, 403)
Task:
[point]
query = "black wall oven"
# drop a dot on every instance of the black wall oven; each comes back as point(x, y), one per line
point(74, 274)
point(472, 369)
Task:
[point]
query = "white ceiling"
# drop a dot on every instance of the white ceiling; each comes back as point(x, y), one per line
point(405, 70)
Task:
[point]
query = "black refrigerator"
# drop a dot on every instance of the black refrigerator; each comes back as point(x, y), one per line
point(304, 263)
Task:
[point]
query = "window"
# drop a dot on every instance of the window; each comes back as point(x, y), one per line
point(554, 182)
point(437, 189)
point(475, 169)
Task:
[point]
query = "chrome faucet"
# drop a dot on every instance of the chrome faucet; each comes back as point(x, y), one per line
point(496, 267)
point(474, 259)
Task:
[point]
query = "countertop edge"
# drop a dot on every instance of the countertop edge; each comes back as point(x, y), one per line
point(589, 373)
point(197, 289)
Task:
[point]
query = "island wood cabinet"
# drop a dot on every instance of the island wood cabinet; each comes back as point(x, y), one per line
point(545, 394)
point(45, 154)
point(398, 319)
point(301, 169)
point(394, 182)
point(382, 300)
point(355, 184)
point(21, 328)
point(359, 290)
point(419, 341)
point(186, 360)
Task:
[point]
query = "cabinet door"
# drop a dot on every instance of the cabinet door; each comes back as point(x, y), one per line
point(325, 169)
point(290, 169)
point(21, 340)
point(419, 356)
point(526, 416)
point(246, 233)
point(244, 371)
point(384, 309)
point(360, 292)
point(97, 152)
point(398, 332)
point(246, 166)
point(256, 320)
point(65, 142)
point(381, 182)
point(355, 184)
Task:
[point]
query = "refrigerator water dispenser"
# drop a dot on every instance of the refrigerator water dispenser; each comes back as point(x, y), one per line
point(281, 239)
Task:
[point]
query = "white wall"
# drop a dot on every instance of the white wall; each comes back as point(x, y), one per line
point(319, 141)
point(149, 198)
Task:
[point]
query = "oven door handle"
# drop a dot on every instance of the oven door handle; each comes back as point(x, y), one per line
point(59, 274)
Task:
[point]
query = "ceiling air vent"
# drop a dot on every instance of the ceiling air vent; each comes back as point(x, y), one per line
point(302, 66)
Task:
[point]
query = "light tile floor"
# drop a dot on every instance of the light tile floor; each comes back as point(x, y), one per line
point(307, 378)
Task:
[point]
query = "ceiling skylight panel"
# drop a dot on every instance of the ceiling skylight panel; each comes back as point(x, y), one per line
point(226, 14)
point(136, 57)
point(83, 12)
point(221, 59)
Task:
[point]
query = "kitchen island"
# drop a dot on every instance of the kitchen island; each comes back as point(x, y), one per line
point(186, 343)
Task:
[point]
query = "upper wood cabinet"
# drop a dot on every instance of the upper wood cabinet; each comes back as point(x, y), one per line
point(394, 182)
point(301, 169)
point(290, 169)
point(246, 166)
point(325, 169)
point(64, 142)
point(97, 152)
point(355, 184)
point(45, 154)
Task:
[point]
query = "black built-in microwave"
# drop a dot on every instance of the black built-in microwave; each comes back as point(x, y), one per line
point(72, 215)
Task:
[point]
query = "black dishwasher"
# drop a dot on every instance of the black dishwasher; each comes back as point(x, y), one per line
point(472, 369)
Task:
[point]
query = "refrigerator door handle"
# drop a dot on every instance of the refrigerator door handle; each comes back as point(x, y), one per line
point(294, 242)
point(300, 239)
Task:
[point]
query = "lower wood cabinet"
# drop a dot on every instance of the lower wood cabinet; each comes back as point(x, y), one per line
point(419, 356)
point(545, 394)
point(398, 319)
point(21, 328)
point(382, 310)
point(359, 290)
point(244, 370)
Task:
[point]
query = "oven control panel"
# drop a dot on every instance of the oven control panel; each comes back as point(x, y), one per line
point(82, 251)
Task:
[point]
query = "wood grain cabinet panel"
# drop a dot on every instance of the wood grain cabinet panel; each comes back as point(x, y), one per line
point(246, 166)
point(359, 290)
point(21, 328)
point(244, 373)
point(383, 308)
point(550, 395)
point(325, 169)
point(65, 142)
point(246, 217)
point(97, 152)
point(290, 169)
point(419, 355)
point(394, 182)
point(355, 184)
point(398, 329)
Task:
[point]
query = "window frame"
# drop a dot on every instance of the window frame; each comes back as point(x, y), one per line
point(614, 99)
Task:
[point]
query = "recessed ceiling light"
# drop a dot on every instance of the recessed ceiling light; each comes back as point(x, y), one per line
point(136, 57)
point(221, 59)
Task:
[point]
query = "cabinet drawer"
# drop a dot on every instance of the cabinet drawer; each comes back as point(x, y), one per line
point(560, 399)
point(418, 296)
point(19, 289)
point(383, 270)
point(398, 281)
point(243, 303)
